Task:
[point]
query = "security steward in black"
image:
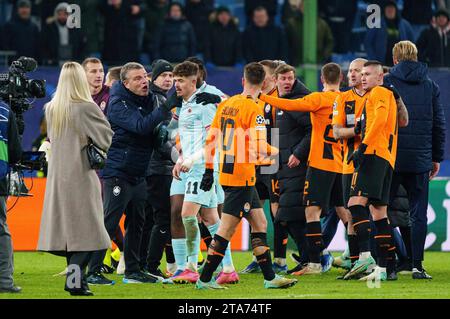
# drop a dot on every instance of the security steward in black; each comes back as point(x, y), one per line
point(156, 234)
point(133, 119)
point(295, 139)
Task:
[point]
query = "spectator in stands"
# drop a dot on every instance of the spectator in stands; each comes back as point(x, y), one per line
point(20, 34)
point(60, 43)
point(262, 40)
point(294, 31)
point(380, 41)
point(92, 24)
point(434, 42)
point(176, 40)
point(269, 5)
point(223, 46)
point(154, 19)
point(420, 145)
point(419, 14)
point(340, 16)
point(197, 13)
point(48, 11)
point(123, 36)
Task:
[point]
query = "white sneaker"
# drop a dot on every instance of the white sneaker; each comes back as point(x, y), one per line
point(62, 273)
point(121, 265)
point(378, 274)
point(310, 269)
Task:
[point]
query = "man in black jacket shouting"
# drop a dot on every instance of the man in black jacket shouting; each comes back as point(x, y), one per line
point(133, 119)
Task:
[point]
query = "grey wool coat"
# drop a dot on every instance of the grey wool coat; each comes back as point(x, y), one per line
point(72, 218)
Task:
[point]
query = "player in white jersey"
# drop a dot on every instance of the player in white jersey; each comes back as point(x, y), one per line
point(193, 122)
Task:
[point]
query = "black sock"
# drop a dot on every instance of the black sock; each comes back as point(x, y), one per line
point(417, 264)
point(264, 260)
point(170, 257)
point(297, 230)
point(353, 248)
point(315, 242)
point(280, 239)
point(391, 257)
point(218, 247)
point(205, 234)
point(361, 224)
point(159, 236)
point(391, 260)
point(383, 240)
point(406, 236)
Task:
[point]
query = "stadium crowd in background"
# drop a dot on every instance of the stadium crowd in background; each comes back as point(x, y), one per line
point(119, 31)
point(162, 183)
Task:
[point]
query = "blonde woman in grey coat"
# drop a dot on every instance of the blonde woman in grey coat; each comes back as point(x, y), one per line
point(72, 219)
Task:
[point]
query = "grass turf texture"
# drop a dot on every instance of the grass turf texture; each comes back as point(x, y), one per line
point(34, 273)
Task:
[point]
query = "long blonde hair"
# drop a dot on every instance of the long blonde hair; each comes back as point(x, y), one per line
point(72, 87)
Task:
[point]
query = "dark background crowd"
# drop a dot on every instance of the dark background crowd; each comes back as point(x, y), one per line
point(224, 33)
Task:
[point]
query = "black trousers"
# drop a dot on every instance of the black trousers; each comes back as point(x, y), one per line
point(416, 186)
point(120, 196)
point(80, 260)
point(156, 233)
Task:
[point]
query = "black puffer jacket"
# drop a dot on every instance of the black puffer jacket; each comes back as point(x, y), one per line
point(223, 46)
point(160, 163)
point(295, 138)
point(398, 210)
point(175, 41)
point(133, 119)
point(423, 140)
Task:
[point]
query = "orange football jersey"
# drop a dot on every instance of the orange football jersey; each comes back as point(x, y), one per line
point(380, 124)
point(239, 131)
point(347, 110)
point(325, 152)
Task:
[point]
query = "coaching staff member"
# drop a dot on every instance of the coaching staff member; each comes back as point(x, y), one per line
point(420, 144)
point(133, 119)
point(10, 140)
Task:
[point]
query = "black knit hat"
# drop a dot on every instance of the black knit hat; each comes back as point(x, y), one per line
point(442, 12)
point(221, 9)
point(159, 67)
point(24, 3)
point(391, 3)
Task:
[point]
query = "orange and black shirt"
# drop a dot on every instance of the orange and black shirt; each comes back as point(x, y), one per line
point(239, 131)
point(380, 124)
point(347, 110)
point(325, 152)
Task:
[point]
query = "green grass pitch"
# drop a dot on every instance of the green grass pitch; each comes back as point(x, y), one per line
point(34, 273)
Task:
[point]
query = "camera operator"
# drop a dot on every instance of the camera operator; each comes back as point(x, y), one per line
point(10, 154)
point(133, 119)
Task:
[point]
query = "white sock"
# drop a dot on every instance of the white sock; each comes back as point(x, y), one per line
point(364, 255)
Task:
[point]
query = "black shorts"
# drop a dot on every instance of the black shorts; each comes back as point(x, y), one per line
point(239, 201)
point(322, 189)
point(267, 187)
point(346, 186)
point(275, 190)
point(263, 185)
point(372, 179)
